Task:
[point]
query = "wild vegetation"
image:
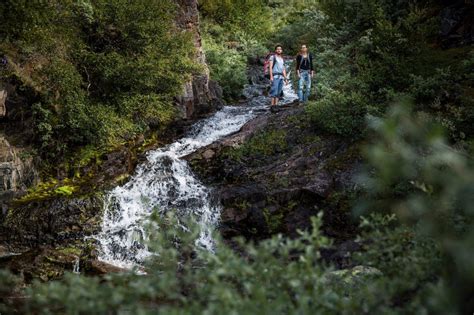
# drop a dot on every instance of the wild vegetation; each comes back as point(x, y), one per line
point(382, 76)
point(96, 74)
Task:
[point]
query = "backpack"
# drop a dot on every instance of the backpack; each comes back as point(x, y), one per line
point(266, 65)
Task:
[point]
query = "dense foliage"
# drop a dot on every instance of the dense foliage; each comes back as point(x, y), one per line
point(415, 257)
point(367, 52)
point(233, 32)
point(380, 75)
point(100, 72)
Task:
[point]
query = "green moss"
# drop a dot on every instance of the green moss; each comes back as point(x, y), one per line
point(150, 141)
point(50, 189)
point(274, 221)
point(71, 250)
point(88, 154)
point(65, 190)
point(279, 181)
point(262, 144)
point(242, 205)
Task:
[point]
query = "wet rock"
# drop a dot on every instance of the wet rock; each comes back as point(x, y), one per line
point(53, 221)
point(275, 185)
point(208, 154)
point(279, 108)
point(98, 268)
point(41, 263)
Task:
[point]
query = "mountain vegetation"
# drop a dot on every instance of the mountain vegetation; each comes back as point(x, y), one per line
point(389, 80)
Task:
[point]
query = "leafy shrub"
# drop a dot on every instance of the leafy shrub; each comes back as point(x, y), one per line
point(248, 16)
point(414, 151)
point(339, 113)
point(104, 71)
point(228, 67)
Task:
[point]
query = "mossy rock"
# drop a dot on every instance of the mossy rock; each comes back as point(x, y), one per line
point(54, 221)
point(43, 263)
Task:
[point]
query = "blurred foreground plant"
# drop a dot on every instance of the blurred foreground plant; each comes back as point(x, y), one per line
point(415, 174)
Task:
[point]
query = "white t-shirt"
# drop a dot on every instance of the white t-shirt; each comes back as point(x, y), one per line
point(278, 66)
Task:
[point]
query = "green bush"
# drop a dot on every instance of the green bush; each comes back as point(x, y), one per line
point(412, 151)
point(339, 113)
point(103, 71)
point(234, 33)
point(228, 67)
point(248, 16)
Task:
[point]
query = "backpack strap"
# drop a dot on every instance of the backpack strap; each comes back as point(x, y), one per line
point(273, 59)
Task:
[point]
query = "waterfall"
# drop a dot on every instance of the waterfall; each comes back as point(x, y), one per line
point(164, 182)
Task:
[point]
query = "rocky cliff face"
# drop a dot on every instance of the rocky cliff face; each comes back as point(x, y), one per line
point(200, 95)
point(16, 171)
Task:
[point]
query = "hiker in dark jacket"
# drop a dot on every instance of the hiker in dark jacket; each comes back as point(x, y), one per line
point(305, 72)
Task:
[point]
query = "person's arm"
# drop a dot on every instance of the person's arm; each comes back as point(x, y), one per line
point(284, 73)
point(298, 62)
point(311, 64)
point(271, 68)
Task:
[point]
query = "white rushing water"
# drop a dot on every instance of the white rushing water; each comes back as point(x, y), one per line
point(166, 183)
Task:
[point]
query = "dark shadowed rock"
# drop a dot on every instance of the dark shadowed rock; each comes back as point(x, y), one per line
point(42, 263)
point(277, 172)
point(53, 221)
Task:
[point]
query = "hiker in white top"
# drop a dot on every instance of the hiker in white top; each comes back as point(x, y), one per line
point(277, 74)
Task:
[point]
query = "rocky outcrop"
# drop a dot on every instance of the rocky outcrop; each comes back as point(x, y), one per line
point(53, 221)
point(276, 173)
point(200, 95)
point(17, 172)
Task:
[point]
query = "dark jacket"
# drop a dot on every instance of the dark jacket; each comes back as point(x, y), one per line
point(306, 64)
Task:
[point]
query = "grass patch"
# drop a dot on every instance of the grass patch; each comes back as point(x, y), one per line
point(260, 145)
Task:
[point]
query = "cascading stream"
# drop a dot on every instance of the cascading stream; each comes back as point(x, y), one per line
point(166, 183)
